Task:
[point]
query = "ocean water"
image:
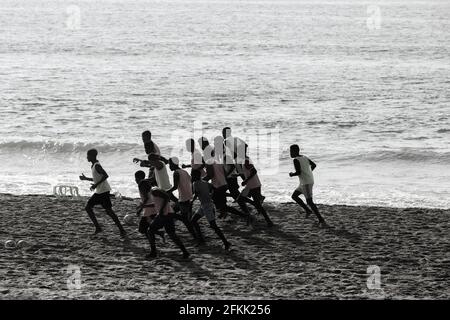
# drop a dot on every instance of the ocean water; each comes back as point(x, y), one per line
point(368, 101)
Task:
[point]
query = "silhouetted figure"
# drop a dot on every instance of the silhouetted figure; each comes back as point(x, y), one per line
point(216, 173)
point(164, 219)
point(225, 157)
point(146, 206)
point(158, 163)
point(150, 147)
point(197, 162)
point(182, 183)
point(304, 171)
point(202, 191)
point(101, 194)
point(252, 189)
point(235, 146)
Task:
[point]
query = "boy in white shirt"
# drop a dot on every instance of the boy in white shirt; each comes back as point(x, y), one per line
point(303, 170)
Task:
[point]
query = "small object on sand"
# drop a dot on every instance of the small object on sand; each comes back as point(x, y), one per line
point(62, 190)
point(128, 219)
point(10, 244)
point(22, 244)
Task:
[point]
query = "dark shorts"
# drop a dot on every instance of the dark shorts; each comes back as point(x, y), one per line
point(163, 221)
point(144, 224)
point(186, 208)
point(219, 197)
point(233, 186)
point(256, 195)
point(207, 210)
point(102, 199)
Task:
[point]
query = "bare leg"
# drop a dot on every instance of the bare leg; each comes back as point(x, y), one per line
point(91, 214)
point(197, 228)
point(257, 197)
point(114, 217)
point(183, 218)
point(151, 239)
point(220, 234)
point(313, 206)
point(296, 198)
point(178, 242)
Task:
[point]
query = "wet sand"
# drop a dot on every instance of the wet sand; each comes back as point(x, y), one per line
point(294, 260)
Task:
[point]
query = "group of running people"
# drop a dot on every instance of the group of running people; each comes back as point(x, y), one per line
point(215, 170)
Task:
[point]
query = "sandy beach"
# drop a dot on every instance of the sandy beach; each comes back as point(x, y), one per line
point(294, 260)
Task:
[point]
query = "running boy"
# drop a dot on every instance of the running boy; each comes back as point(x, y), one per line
point(252, 189)
point(303, 170)
point(146, 205)
point(202, 190)
point(101, 195)
point(197, 162)
point(216, 173)
point(182, 183)
point(164, 219)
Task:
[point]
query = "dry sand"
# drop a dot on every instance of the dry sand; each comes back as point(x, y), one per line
point(294, 260)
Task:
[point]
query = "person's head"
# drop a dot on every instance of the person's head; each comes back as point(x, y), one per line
point(139, 176)
point(174, 163)
point(196, 175)
point(226, 132)
point(92, 155)
point(146, 136)
point(203, 142)
point(190, 145)
point(295, 150)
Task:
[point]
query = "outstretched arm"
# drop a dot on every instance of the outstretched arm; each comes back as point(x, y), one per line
point(156, 156)
point(83, 177)
point(176, 182)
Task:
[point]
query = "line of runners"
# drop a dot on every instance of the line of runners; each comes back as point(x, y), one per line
point(215, 170)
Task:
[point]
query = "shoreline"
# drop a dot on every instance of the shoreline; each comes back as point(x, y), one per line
point(272, 203)
point(294, 260)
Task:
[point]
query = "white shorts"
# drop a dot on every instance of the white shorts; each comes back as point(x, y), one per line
point(306, 190)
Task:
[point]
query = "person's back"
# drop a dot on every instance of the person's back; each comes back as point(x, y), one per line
point(184, 186)
point(145, 191)
point(219, 179)
point(247, 168)
point(203, 191)
point(162, 176)
point(96, 176)
point(306, 175)
point(159, 202)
